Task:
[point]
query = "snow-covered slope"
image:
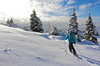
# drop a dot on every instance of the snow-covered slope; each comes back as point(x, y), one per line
point(36, 49)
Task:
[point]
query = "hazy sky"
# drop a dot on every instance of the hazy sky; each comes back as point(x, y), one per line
point(49, 10)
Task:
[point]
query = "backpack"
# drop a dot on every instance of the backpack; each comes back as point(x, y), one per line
point(71, 37)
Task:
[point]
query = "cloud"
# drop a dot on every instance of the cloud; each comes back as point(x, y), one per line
point(14, 8)
point(45, 6)
point(80, 13)
point(46, 10)
point(85, 6)
point(20, 11)
point(96, 18)
point(50, 8)
point(55, 19)
point(70, 2)
point(96, 3)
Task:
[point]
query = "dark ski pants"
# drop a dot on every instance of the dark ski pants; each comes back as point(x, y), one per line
point(71, 48)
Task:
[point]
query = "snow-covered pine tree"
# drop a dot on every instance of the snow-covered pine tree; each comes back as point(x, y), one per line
point(61, 33)
point(35, 24)
point(73, 25)
point(10, 22)
point(58, 32)
point(25, 28)
point(55, 32)
point(90, 30)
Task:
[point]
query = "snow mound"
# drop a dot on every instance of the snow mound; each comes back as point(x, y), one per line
point(52, 37)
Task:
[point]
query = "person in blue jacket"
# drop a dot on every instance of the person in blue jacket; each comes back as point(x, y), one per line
point(71, 38)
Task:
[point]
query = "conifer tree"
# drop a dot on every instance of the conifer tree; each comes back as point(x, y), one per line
point(90, 30)
point(73, 25)
point(35, 24)
point(10, 22)
point(55, 32)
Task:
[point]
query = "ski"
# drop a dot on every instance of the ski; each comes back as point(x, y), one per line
point(65, 50)
point(78, 56)
point(73, 55)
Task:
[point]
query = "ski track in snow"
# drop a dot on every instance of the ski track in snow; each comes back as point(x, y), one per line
point(88, 60)
point(22, 48)
point(90, 46)
point(91, 61)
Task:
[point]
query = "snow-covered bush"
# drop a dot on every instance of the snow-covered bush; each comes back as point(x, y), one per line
point(55, 31)
point(58, 32)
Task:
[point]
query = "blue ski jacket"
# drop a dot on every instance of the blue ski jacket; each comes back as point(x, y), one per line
point(70, 36)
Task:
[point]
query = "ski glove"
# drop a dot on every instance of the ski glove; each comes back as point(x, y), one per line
point(74, 42)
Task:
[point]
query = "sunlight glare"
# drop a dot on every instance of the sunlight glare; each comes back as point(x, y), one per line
point(15, 7)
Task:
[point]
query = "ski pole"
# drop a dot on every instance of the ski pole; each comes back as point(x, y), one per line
point(78, 50)
point(65, 45)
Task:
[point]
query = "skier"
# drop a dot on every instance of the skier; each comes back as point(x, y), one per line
point(71, 38)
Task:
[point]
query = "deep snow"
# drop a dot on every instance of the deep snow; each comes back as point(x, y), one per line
point(41, 49)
